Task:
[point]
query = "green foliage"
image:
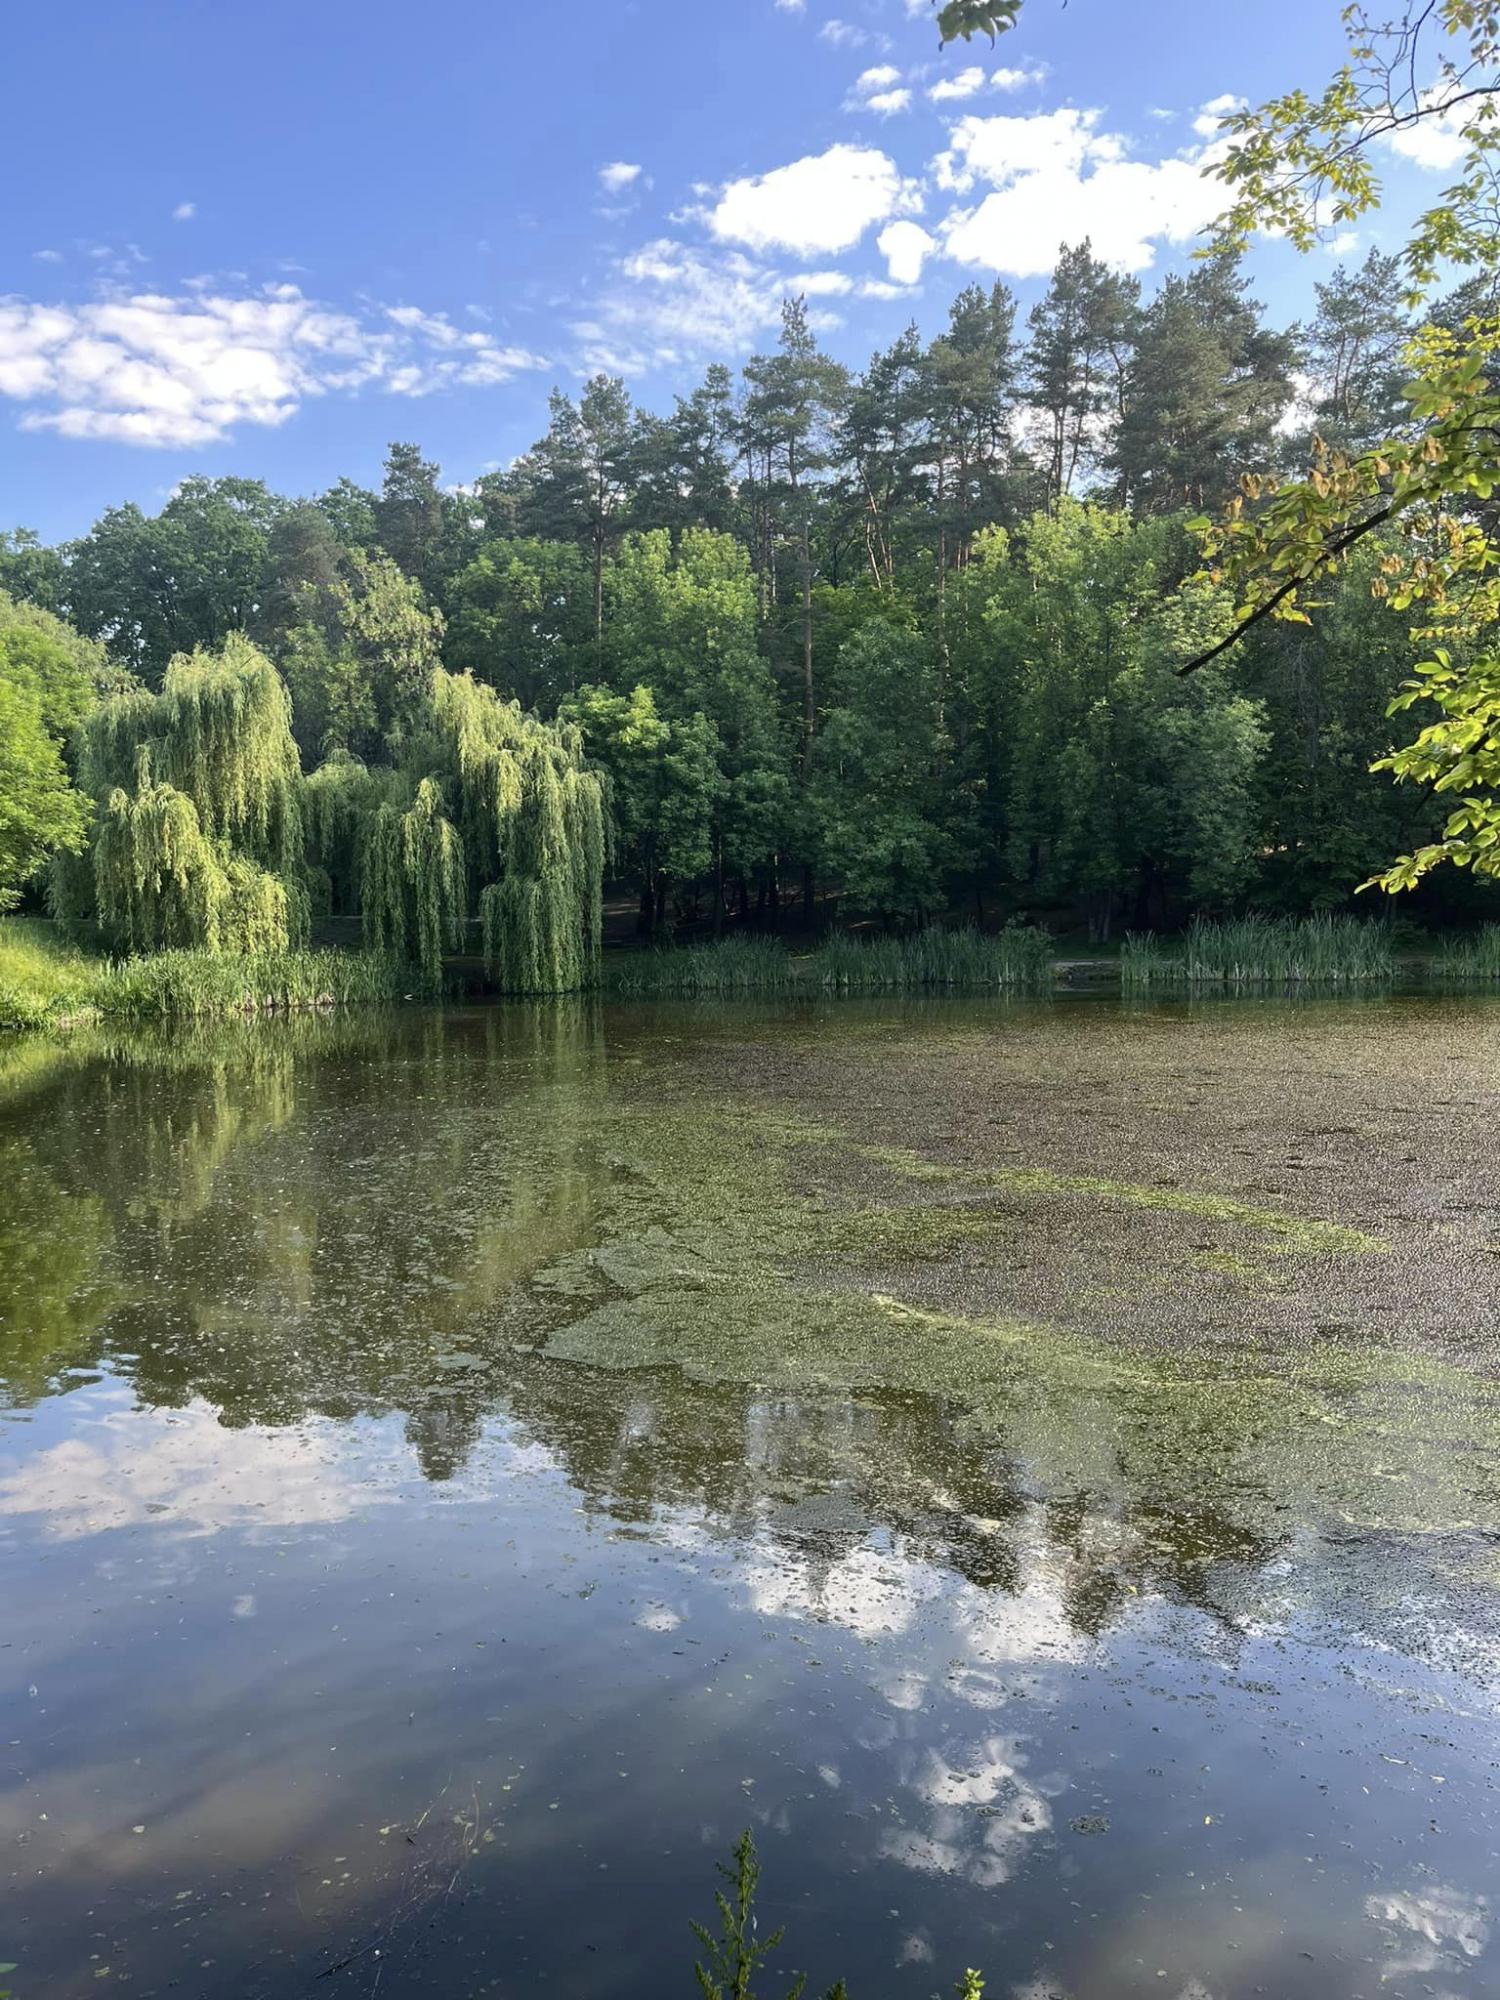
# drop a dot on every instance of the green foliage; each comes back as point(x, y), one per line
point(1262, 951)
point(967, 18)
point(155, 587)
point(40, 811)
point(50, 678)
point(878, 790)
point(1127, 786)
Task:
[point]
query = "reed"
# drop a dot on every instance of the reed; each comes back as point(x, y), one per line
point(1017, 957)
point(197, 985)
point(732, 965)
point(1262, 951)
point(1476, 956)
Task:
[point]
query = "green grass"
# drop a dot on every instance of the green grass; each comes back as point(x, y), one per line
point(1476, 956)
point(1262, 951)
point(46, 981)
point(42, 978)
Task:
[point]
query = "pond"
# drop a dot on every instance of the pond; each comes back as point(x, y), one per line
point(1037, 1464)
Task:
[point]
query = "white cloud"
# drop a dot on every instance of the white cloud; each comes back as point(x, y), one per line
point(618, 175)
point(184, 211)
point(1057, 178)
point(820, 204)
point(1002, 150)
point(967, 83)
point(674, 304)
point(905, 247)
point(1016, 79)
point(1433, 1928)
point(193, 1477)
point(48, 256)
point(1211, 115)
point(184, 370)
point(877, 90)
point(1437, 142)
point(881, 288)
point(791, 6)
point(844, 35)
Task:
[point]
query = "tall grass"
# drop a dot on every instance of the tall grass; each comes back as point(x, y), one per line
point(1262, 951)
point(1476, 956)
point(732, 965)
point(1018, 956)
point(44, 980)
point(198, 985)
point(959, 959)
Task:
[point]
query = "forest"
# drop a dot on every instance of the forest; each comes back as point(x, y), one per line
point(811, 647)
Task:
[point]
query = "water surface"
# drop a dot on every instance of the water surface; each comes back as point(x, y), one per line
point(1038, 1465)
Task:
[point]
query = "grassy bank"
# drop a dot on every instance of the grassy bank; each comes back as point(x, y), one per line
point(47, 982)
point(1262, 951)
point(957, 959)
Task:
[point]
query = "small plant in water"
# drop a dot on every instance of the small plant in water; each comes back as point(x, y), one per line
point(736, 1953)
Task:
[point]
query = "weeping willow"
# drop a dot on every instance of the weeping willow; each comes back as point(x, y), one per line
point(160, 881)
point(339, 800)
point(413, 880)
point(208, 835)
point(532, 824)
point(199, 836)
point(220, 732)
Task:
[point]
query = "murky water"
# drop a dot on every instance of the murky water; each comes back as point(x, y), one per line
point(1037, 1465)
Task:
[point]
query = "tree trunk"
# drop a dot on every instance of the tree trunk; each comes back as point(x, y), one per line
point(809, 709)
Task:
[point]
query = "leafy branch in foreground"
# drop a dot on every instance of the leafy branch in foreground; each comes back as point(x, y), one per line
point(1301, 166)
point(961, 19)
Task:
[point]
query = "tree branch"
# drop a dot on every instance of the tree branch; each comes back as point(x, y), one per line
point(1330, 554)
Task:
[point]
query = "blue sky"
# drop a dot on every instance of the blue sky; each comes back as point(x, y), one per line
point(268, 239)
